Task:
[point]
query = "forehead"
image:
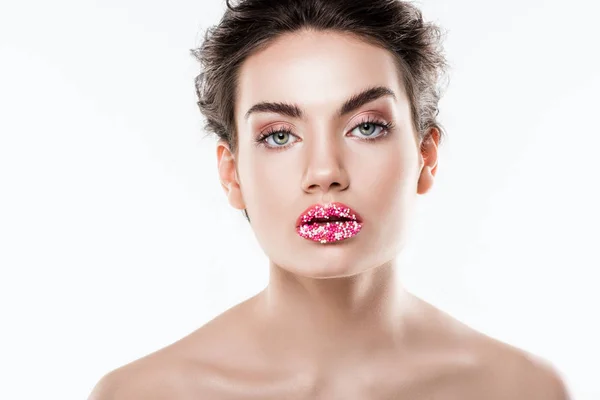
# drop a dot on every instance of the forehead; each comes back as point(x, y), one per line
point(317, 70)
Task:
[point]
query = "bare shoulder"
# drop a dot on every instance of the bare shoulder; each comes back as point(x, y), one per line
point(496, 370)
point(509, 372)
point(183, 370)
point(180, 371)
point(158, 376)
point(523, 375)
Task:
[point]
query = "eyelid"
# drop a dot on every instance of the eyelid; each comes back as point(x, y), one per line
point(368, 116)
point(365, 119)
point(261, 140)
point(386, 127)
point(273, 129)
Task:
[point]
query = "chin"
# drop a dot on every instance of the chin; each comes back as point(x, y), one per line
point(322, 273)
point(326, 262)
point(338, 259)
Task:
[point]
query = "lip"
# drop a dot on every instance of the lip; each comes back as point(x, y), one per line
point(330, 209)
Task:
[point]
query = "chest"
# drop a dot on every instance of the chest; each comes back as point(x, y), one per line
point(363, 384)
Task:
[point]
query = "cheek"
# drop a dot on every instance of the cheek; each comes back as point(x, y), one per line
point(268, 183)
point(391, 195)
point(390, 175)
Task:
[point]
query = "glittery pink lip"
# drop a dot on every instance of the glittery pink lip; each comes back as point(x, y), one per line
point(313, 223)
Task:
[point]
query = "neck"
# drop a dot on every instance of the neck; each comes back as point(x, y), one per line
point(325, 318)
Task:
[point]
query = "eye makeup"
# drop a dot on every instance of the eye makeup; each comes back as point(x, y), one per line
point(386, 128)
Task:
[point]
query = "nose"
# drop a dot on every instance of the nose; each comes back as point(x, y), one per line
point(324, 169)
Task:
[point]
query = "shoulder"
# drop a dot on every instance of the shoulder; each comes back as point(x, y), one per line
point(494, 369)
point(519, 375)
point(153, 377)
point(190, 368)
point(178, 371)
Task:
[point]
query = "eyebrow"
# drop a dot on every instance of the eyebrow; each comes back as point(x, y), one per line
point(353, 103)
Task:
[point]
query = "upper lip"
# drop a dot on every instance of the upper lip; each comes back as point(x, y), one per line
point(337, 208)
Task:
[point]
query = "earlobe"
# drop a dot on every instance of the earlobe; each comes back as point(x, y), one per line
point(226, 165)
point(425, 180)
point(429, 154)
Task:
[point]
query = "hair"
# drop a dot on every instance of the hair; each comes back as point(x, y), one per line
point(250, 26)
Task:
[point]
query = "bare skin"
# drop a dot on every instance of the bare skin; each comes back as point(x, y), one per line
point(334, 321)
point(433, 356)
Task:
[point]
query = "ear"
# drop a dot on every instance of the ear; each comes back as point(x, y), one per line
point(228, 175)
point(429, 155)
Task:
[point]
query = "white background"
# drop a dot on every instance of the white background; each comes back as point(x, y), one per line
point(116, 239)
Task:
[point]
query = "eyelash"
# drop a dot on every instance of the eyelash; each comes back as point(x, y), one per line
point(386, 126)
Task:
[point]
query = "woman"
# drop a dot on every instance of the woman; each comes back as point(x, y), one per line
point(326, 116)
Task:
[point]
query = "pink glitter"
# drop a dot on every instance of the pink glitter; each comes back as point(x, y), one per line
point(326, 232)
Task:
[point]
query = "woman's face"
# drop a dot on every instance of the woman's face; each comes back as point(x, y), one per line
point(323, 156)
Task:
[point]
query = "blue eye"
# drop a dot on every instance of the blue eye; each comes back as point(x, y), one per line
point(276, 139)
point(368, 129)
point(279, 139)
point(369, 126)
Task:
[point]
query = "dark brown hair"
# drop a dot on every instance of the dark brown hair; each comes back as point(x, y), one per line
point(394, 25)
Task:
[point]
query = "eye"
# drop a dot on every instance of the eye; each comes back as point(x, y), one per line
point(277, 139)
point(368, 130)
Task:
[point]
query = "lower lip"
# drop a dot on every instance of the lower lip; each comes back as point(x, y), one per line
point(328, 232)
